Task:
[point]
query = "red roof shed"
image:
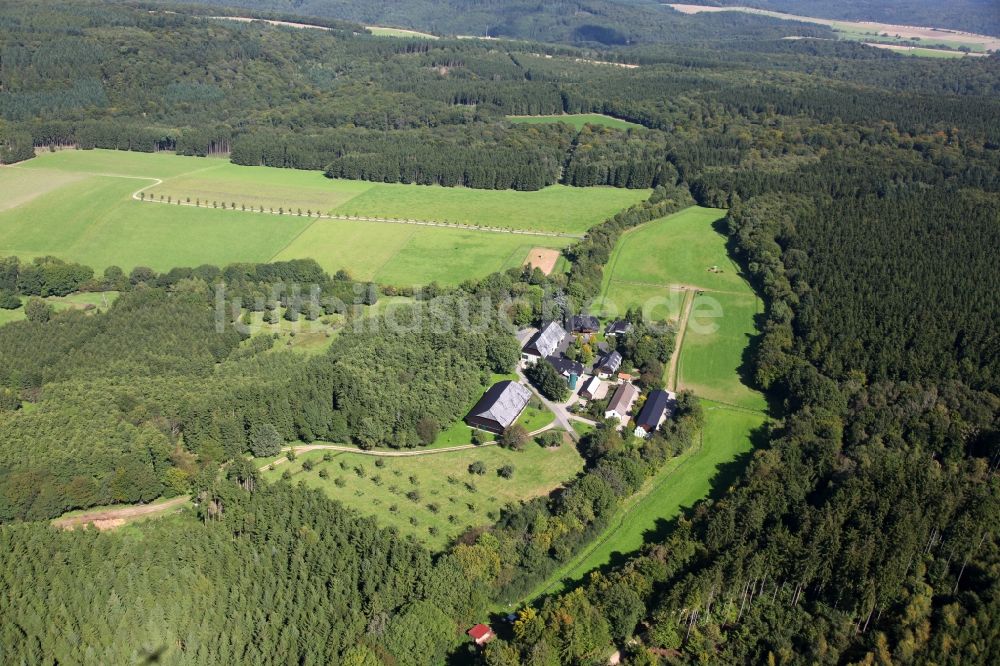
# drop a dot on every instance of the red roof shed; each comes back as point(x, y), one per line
point(481, 633)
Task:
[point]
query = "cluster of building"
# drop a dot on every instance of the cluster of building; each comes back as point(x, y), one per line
point(502, 404)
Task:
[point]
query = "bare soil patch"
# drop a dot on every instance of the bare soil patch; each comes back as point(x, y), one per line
point(544, 258)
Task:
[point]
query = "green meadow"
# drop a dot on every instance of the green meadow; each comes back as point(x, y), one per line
point(78, 205)
point(434, 498)
point(380, 31)
point(577, 120)
point(711, 360)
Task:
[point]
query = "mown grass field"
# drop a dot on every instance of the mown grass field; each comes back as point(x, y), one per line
point(451, 499)
point(77, 205)
point(652, 263)
point(577, 120)
point(678, 486)
point(712, 358)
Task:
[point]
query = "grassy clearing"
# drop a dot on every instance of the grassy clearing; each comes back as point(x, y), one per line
point(677, 487)
point(557, 208)
point(680, 249)
point(290, 189)
point(94, 221)
point(449, 499)
point(718, 332)
point(379, 31)
point(871, 31)
point(658, 303)
point(671, 252)
point(577, 120)
point(96, 301)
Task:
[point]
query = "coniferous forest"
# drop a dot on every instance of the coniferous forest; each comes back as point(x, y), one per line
point(862, 191)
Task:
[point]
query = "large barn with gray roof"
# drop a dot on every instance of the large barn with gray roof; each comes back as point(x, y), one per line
point(499, 407)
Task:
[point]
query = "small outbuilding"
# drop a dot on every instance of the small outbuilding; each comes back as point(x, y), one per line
point(618, 327)
point(481, 634)
point(610, 364)
point(499, 407)
point(591, 388)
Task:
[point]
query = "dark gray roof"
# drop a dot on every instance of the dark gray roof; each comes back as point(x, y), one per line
point(565, 365)
point(656, 403)
point(503, 402)
point(582, 323)
point(611, 362)
point(618, 327)
point(547, 340)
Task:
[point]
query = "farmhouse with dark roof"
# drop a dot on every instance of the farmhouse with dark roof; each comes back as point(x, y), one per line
point(659, 405)
point(584, 324)
point(610, 364)
point(565, 366)
point(499, 407)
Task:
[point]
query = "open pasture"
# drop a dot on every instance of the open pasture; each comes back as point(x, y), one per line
point(435, 498)
point(649, 267)
point(78, 205)
point(577, 120)
point(680, 249)
point(555, 209)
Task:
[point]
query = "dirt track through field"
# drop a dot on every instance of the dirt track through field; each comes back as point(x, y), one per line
point(681, 330)
point(110, 518)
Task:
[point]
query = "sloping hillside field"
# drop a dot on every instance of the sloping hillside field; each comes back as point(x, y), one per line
point(106, 208)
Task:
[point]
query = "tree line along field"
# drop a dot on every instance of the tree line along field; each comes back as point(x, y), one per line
point(680, 484)
point(78, 205)
point(433, 498)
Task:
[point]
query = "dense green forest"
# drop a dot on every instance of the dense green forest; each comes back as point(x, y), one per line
point(863, 193)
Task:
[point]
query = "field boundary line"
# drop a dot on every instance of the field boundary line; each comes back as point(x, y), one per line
point(289, 243)
point(402, 246)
